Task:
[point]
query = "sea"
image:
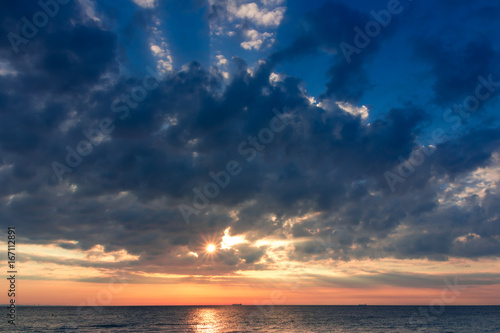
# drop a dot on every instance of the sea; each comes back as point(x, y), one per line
point(243, 318)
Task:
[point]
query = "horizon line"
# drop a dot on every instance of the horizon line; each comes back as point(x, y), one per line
point(355, 305)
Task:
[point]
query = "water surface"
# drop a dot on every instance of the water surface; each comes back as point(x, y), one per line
point(296, 319)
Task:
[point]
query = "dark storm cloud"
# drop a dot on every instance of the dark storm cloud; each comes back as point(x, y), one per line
point(467, 153)
point(125, 194)
point(338, 29)
point(457, 63)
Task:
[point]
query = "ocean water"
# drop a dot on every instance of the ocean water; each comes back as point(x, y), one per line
point(303, 319)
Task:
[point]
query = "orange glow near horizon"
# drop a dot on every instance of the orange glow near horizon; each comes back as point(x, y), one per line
point(84, 293)
point(209, 280)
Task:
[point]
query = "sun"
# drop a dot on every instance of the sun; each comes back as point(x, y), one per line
point(210, 248)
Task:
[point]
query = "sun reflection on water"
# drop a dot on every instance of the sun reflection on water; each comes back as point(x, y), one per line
point(208, 320)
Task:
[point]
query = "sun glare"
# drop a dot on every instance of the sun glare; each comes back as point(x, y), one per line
point(211, 248)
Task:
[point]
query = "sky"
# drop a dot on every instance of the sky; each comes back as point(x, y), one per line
point(167, 152)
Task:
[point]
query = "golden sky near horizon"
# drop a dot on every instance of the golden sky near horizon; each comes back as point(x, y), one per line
point(50, 275)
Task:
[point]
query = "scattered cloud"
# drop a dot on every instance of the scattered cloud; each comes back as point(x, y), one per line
point(258, 16)
point(255, 40)
point(146, 3)
point(254, 21)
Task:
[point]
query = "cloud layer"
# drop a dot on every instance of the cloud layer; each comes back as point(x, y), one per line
point(314, 192)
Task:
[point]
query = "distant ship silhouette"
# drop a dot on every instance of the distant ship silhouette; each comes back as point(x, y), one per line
point(237, 304)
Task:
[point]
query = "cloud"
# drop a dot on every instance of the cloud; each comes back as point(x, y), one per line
point(146, 3)
point(456, 65)
point(256, 39)
point(263, 17)
point(324, 30)
point(246, 19)
point(159, 46)
point(314, 193)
